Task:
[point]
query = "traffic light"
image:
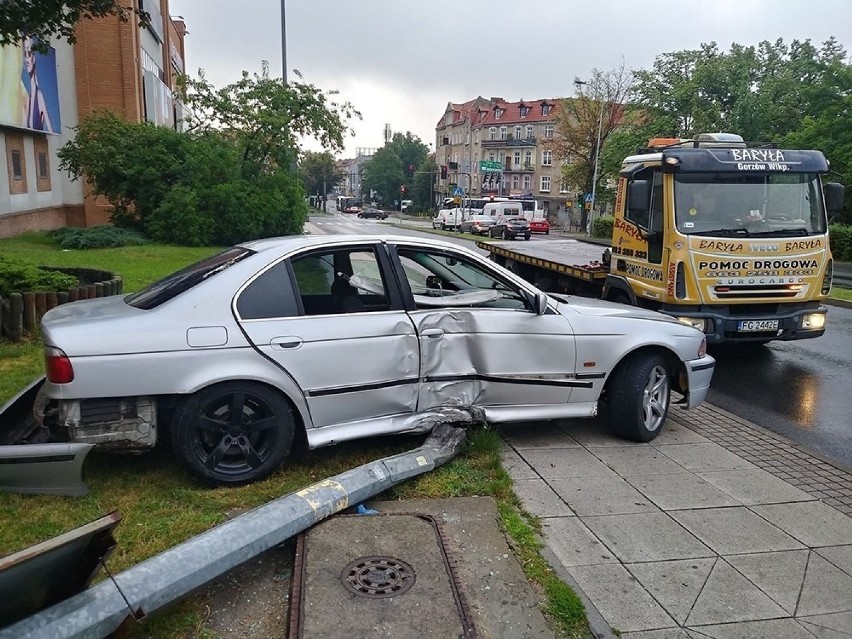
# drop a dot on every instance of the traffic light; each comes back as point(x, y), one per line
point(443, 171)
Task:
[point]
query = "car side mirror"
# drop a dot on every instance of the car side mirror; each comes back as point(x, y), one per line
point(538, 302)
point(639, 195)
point(834, 197)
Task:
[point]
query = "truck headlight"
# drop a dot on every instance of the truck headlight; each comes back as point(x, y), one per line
point(695, 322)
point(813, 321)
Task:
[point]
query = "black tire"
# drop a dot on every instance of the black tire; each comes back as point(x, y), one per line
point(527, 236)
point(443, 226)
point(506, 235)
point(638, 397)
point(221, 448)
point(547, 232)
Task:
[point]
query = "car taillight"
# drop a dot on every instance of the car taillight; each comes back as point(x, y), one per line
point(57, 366)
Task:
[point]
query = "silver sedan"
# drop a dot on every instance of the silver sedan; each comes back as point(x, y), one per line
point(338, 338)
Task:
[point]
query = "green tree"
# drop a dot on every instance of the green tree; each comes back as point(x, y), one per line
point(424, 182)
point(585, 123)
point(43, 19)
point(319, 172)
point(411, 151)
point(383, 174)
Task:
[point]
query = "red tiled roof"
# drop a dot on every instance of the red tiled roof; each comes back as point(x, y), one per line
point(512, 112)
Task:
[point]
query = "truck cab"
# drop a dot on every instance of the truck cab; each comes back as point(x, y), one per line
point(729, 237)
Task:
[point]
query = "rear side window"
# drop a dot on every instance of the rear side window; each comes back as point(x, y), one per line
point(269, 295)
point(177, 283)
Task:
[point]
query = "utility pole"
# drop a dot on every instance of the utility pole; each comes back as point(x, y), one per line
point(283, 43)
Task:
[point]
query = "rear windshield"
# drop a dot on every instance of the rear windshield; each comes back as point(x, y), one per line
point(176, 283)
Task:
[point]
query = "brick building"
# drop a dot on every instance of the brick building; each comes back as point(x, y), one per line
point(117, 66)
point(513, 134)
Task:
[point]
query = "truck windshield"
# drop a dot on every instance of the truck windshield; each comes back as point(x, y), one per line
point(725, 204)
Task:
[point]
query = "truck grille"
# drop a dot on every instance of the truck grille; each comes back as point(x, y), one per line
point(733, 292)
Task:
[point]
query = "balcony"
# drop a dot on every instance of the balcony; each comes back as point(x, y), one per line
point(509, 141)
point(518, 168)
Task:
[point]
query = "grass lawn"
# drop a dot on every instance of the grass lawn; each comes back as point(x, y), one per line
point(162, 506)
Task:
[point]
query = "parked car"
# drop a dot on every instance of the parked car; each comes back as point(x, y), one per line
point(404, 205)
point(343, 337)
point(372, 212)
point(539, 225)
point(510, 228)
point(478, 224)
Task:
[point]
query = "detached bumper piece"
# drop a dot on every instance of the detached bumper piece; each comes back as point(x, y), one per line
point(43, 469)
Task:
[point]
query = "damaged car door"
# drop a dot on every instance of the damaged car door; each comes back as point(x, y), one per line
point(484, 341)
point(352, 351)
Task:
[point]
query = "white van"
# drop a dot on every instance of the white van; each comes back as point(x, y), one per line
point(448, 219)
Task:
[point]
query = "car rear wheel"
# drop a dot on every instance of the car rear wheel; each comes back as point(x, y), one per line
point(527, 236)
point(233, 433)
point(638, 397)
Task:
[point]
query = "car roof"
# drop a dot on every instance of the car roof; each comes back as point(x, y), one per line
point(293, 242)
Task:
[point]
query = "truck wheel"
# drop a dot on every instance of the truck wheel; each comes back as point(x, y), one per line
point(443, 226)
point(638, 397)
point(233, 433)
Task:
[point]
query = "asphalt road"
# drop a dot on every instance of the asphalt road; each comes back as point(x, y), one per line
point(798, 389)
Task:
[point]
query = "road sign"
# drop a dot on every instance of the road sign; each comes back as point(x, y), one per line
point(458, 191)
point(489, 166)
point(588, 197)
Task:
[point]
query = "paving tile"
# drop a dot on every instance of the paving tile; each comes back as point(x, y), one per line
point(674, 584)
point(645, 537)
point(574, 544)
point(515, 464)
point(751, 487)
point(835, 626)
point(668, 633)
point(603, 496)
point(527, 435)
point(594, 433)
point(840, 556)
point(620, 599)
point(727, 597)
point(701, 458)
point(771, 629)
point(779, 574)
point(827, 589)
point(633, 460)
point(681, 492)
point(539, 499)
point(560, 463)
point(734, 530)
point(674, 433)
point(813, 523)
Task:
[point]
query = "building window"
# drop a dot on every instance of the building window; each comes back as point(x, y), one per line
point(527, 182)
point(518, 130)
point(545, 109)
point(545, 184)
point(524, 111)
point(491, 157)
point(516, 182)
point(476, 136)
point(17, 165)
point(42, 156)
point(548, 131)
point(528, 157)
point(547, 157)
point(504, 132)
point(517, 159)
point(530, 131)
point(492, 133)
point(498, 113)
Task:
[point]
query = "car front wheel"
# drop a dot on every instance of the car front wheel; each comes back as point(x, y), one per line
point(233, 433)
point(638, 397)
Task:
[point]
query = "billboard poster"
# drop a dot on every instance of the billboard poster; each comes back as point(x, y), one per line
point(29, 90)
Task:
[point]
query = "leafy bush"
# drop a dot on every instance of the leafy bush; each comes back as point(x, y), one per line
point(19, 277)
point(602, 226)
point(103, 236)
point(180, 188)
point(840, 239)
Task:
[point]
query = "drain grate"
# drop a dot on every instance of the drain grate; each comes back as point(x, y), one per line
point(378, 576)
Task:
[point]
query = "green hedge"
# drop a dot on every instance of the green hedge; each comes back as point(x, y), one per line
point(840, 239)
point(104, 236)
point(18, 277)
point(602, 226)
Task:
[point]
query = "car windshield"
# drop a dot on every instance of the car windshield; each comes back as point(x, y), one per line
point(724, 204)
point(176, 283)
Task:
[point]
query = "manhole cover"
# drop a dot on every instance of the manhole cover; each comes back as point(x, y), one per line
point(378, 577)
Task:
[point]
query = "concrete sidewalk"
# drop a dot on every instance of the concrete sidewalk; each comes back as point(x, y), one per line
point(718, 528)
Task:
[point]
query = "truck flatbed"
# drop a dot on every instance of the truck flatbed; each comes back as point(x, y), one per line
point(574, 258)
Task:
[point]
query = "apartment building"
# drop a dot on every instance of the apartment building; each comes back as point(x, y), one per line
point(115, 65)
point(510, 135)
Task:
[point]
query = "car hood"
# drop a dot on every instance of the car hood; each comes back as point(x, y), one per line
point(603, 308)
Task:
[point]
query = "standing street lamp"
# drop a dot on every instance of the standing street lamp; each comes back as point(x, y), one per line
point(578, 83)
point(283, 44)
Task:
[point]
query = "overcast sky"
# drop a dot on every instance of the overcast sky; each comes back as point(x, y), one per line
point(400, 61)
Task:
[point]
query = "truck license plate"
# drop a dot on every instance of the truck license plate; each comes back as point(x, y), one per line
point(755, 326)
